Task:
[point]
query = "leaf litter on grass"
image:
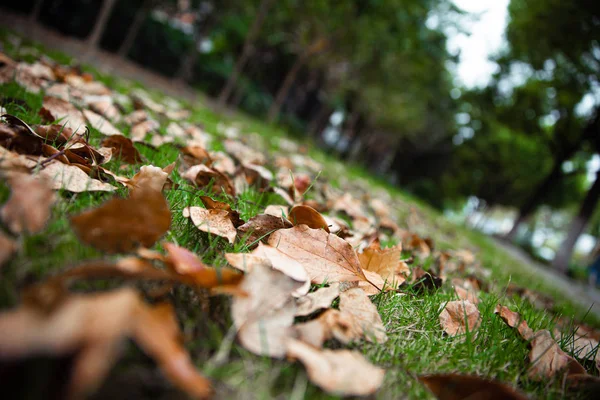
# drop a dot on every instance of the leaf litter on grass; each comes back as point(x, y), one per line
point(296, 259)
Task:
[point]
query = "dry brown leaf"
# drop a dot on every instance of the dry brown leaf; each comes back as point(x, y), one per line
point(308, 216)
point(123, 149)
point(7, 248)
point(260, 227)
point(459, 387)
point(105, 107)
point(186, 263)
point(317, 300)
point(385, 262)
point(342, 372)
point(92, 328)
point(100, 123)
point(204, 176)
point(72, 179)
point(264, 318)
point(459, 316)
point(268, 256)
point(585, 346)
point(141, 129)
point(150, 178)
point(326, 257)
point(215, 222)
point(548, 360)
point(54, 109)
point(29, 206)
point(277, 210)
point(194, 155)
point(367, 320)
point(245, 154)
point(465, 294)
point(514, 320)
point(122, 225)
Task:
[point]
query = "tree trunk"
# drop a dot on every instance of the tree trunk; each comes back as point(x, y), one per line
point(134, 29)
point(247, 51)
point(284, 89)
point(535, 199)
point(93, 39)
point(577, 226)
point(35, 13)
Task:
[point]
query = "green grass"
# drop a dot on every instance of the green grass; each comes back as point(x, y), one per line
point(416, 342)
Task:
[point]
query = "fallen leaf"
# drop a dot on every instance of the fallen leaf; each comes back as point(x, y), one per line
point(141, 129)
point(260, 227)
point(123, 149)
point(465, 294)
point(216, 222)
point(458, 387)
point(157, 332)
point(341, 372)
point(123, 224)
point(54, 109)
point(424, 281)
point(149, 178)
point(268, 256)
point(204, 177)
point(264, 318)
point(459, 316)
point(326, 257)
point(105, 108)
point(92, 329)
point(355, 302)
point(514, 320)
point(317, 300)
point(194, 155)
point(277, 210)
point(100, 123)
point(547, 359)
point(29, 206)
point(234, 216)
point(245, 154)
point(186, 263)
point(72, 179)
point(308, 216)
point(385, 262)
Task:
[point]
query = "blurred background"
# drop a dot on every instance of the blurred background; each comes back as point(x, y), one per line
point(485, 109)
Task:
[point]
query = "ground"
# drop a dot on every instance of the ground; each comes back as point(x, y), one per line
point(416, 345)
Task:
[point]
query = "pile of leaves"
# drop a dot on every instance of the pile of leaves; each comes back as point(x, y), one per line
point(305, 276)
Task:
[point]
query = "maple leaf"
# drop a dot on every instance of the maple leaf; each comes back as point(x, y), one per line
point(385, 262)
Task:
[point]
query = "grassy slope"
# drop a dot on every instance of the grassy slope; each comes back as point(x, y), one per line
point(416, 345)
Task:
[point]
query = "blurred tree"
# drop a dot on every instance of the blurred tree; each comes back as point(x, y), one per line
point(247, 50)
point(100, 25)
point(560, 39)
